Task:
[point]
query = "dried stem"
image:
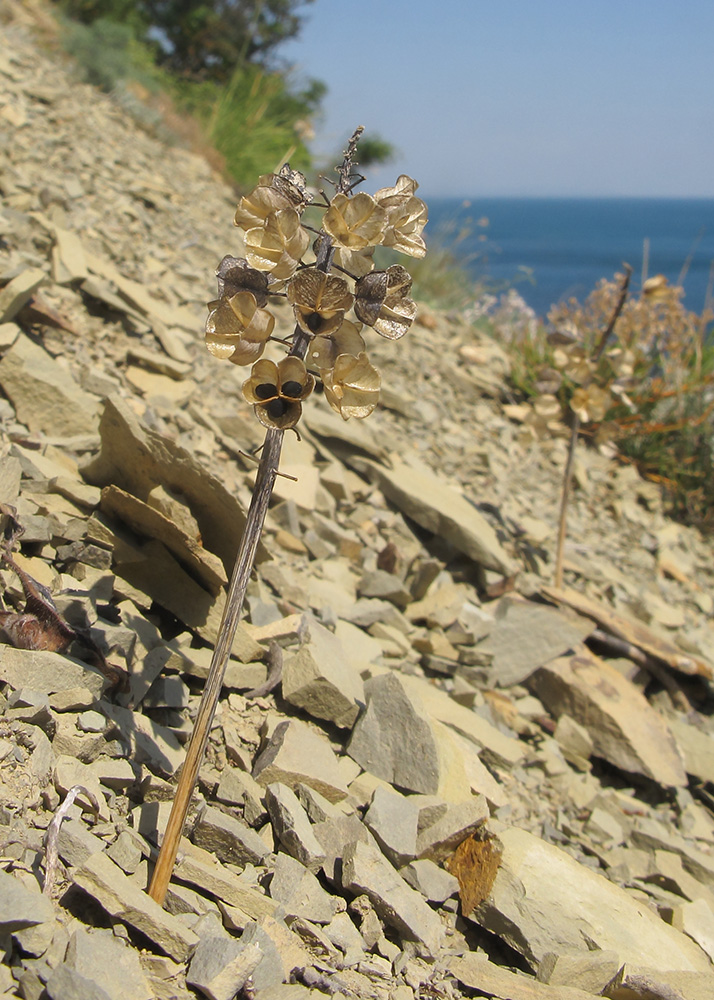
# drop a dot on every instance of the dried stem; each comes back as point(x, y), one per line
point(53, 832)
point(575, 430)
point(262, 492)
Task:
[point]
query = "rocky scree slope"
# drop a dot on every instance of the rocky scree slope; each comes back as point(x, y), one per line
point(461, 782)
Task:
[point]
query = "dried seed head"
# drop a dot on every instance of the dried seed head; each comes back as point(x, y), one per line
point(236, 275)
point(278, 245)
point(382, 301)
point(319, 301)
point(352, 386)
point(355, 222)
point(277, 390)
point(236, 329)
point(272, 193)
point(323, 352)
point(590, 403)
point(406, 217)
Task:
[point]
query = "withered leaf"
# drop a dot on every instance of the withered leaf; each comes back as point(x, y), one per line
point(475, 864)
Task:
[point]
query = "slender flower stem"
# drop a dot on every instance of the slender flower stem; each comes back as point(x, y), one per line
point(267, 472)
point(575, 430)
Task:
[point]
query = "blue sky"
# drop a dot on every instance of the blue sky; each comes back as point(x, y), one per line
point(521, 97)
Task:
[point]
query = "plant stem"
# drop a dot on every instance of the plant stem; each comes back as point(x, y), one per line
point(564, 497)
point(267, 472)
point(575, 429)
point(262, 492)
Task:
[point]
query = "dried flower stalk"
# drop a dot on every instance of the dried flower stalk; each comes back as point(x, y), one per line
point(240, 325)
point(583, 412)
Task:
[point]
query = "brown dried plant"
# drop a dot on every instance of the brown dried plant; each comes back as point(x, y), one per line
point(326, 345)
point(635, 375)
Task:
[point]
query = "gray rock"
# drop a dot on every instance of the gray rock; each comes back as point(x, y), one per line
point(622, 724)
point(381, 585)
point(294, 755)
point(477, 972)
point(345, 936)
point(426, 499)
point(393, 819)
point(591, 972)
point(44, 393)
point(65, 983)
point(107, 961)
point(221, 965)
point(365, 870)
point(76, 843)
point(320, 679)
point(525, 635)
point(542, 901)
point(334, 835)
point(136, 458)
point(124, 900)
point(47, 672)
point(299, 892)
point(18, 292)
point(149, 743)
point(20, 907)
point(436, 841)
point(200, 869)
point(394, 738)
point(228, 838)
point(292, 827)
point(431, 881)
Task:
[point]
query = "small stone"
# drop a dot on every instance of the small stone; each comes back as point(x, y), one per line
point(220, 966)
point(294, 755)
point(591, 971)
point(20, 907)
point(45, 395)
point(228, 838)
point(431, 881)
point(696, 920)
point(320, 679)
point(18, 292)
point(107, 961)
point(292, 827)
point(365, 870)
point(622, 724)
point(299, 892)
point(393, 820)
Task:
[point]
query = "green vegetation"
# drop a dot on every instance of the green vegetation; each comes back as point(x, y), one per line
point(210, 61)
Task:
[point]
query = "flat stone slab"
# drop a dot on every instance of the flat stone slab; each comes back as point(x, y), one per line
point(296, 754)
point(124, 900)
point(625, 729)
point(427, 499)
point(44, 393)
point(542, 901)
point(47, 672)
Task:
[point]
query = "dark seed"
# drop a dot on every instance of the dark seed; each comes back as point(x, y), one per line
point(292, 389)
point(314, 322)
point(277, 408)
point(266, 390)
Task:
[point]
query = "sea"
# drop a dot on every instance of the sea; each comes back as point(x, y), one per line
point(551, 249)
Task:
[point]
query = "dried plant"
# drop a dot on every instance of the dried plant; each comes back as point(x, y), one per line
point(326, 345)
point(634, 374)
